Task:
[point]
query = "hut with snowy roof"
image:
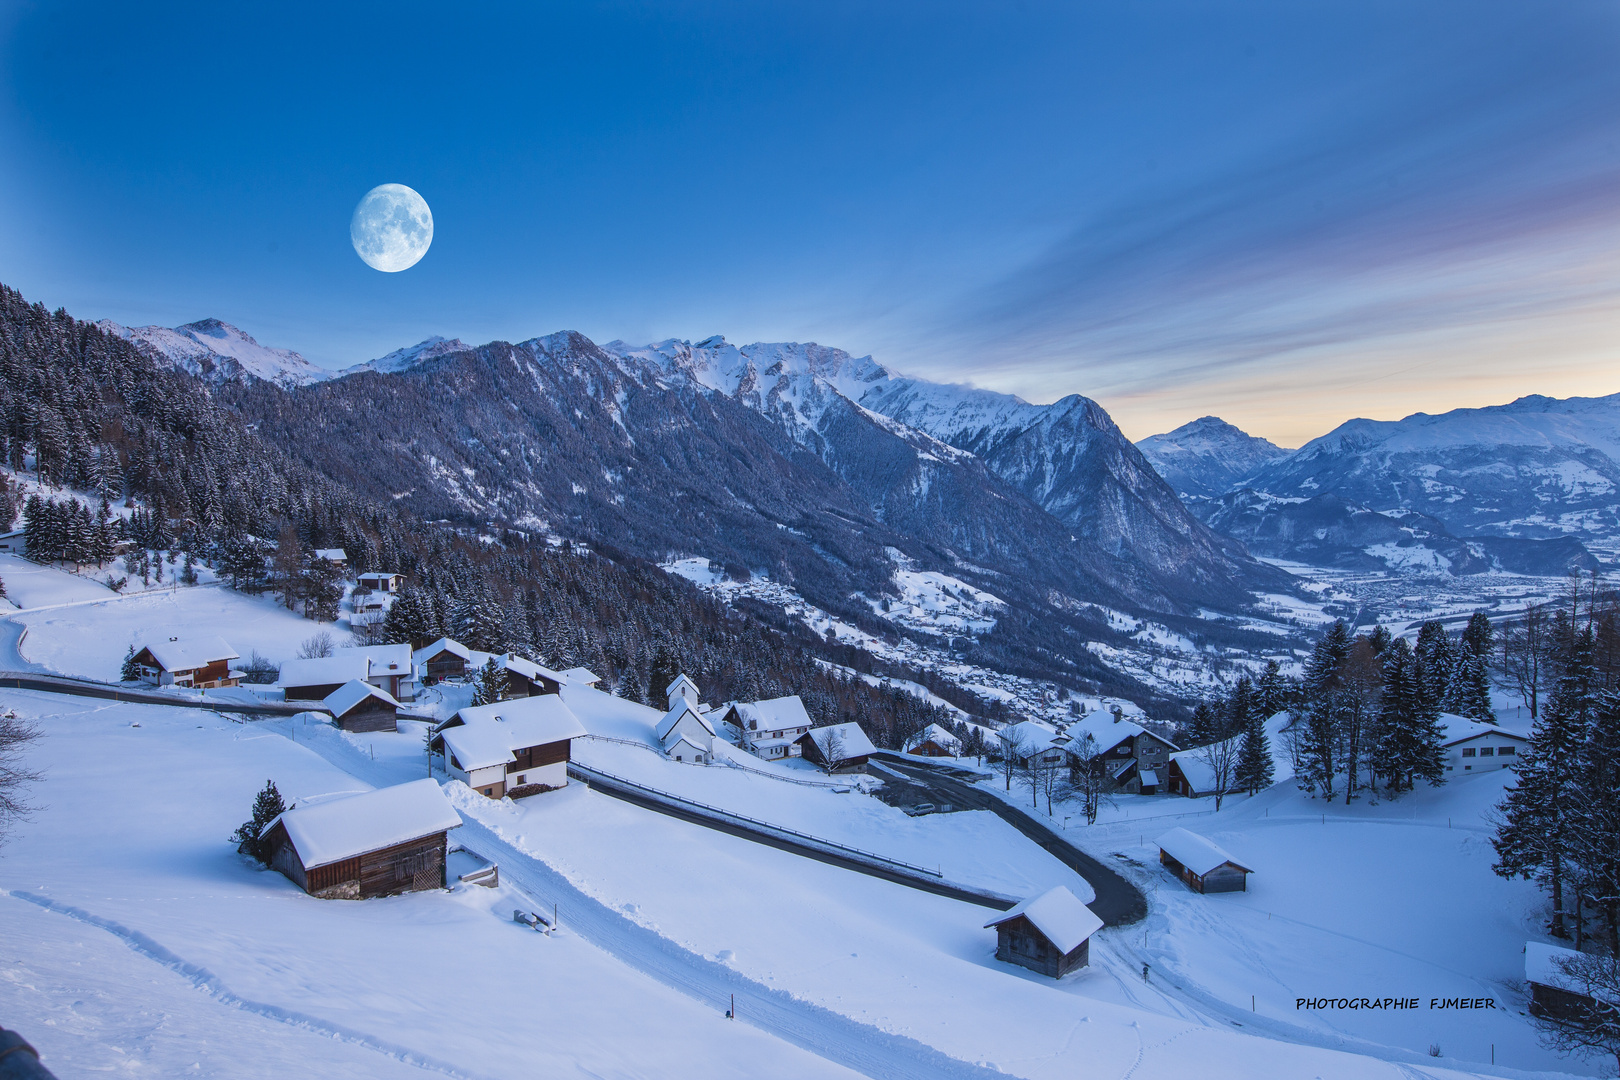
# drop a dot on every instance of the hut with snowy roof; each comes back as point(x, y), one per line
point(202, 661)
point(580, 676)
point(935, 741)
point(359, 706)
point(1557, 991)
point(1201, 863)
point(1049, 933)
point(836, 747)
point(446, 658)
point(379, 843)
point(517, 748)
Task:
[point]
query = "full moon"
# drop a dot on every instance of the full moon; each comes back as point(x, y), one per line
point(392, 228)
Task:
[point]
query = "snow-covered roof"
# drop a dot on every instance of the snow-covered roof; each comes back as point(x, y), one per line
point(773, 714)
point(529, 669)
point(443, 645)
point(1460, 729)
point(1543, 964)
point(680, 683)
point(478, 747)
point(1150, 778)
point(1107, 731)
point(855, 742)
point(387, 659)
point(580, 676)
point(1195, 852)
point(667, 723)
point(1033, 735)
point(332, 831)
point(1059, 915)
point(684, 741)
point(332, 554)
point(346, 666)
point(178, 651)
point(378, 575)
point(935, 734)
point(352, 693)
point(527, 721)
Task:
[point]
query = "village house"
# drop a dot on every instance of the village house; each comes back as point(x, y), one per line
point(1133, 758)
point(335, 556)
point(446, 658)
point(525, 678)
point(836, 747)
point(509, 748)
point(1201, 864)
point(379, 843)
point(1554, 993)
point(1031, 740)
point(1471, 746)
point(769, 729)
point(200, 661)
point(381, 581)
point(579, 676)
point(13, 542)
point(1049, 933)
point(387, 667)
point(359, 706)
point(935, 741)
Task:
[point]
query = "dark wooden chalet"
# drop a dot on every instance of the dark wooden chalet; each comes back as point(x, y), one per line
point(444, 659)
point(836, 747)
point(360, 706)
point(1556, 993)
point(200, 661)
point(1049, 933)
point(392, 840)
point(1201, 864)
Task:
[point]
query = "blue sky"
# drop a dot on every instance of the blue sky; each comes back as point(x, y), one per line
point(1286, 214)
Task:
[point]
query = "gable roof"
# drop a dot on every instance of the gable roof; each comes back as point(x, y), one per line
point(1059, 915)
point(667, 722)
point(1107, 732)
point(772, 713)
point(332, 554)
point(528, 668)
point(511, 725)
point(1035, 736)
point(351, 694)
point(378, 575)
point(1460, 729)
point(679, 682)
point(937, 735)
point(684, 739)
point(443, 645)
point(1544, 964)
point(340, 829)
point(178, 651)
point(856, 744)
point(387, 659)
point(346, 666)
point(1196, 853)
point(580, 676)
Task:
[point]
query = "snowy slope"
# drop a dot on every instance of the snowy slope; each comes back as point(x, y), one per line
point(219, 352)
point(1208, 456)
point(409, 357)
point(1535, 467)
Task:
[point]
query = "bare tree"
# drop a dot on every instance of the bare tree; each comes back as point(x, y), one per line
point(316, 647)
point(15, 736)
point(1086, 777)
point(1527, 651)
point(1586, 1028)
point(1221, 758)
point(1013, 752)
point(833, 749)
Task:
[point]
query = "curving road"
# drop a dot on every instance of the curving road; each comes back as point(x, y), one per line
point(1118, 903)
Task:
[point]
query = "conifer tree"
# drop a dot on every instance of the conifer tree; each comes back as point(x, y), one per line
point(1434, 652)
point(1596, 825)
point(1409, 734)
point(131, 671)
point(1254, 767)
point(665, 669)
point(490, 685)
point(249, 836)
point(1536, 838)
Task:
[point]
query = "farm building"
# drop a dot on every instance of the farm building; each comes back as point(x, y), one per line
point(13, 541)
point(1555, 992)
point(382, 842)
point(388, 667)
point(359, 706)
point(935, 741)
point(446, 658)
point(836, 747)
point(768, 729)
point(1471, 746)
point(1200, 863)
point(381, 581)
point(1191, 774)
point(201, 661)
point(518, 747)
point(1049, 933)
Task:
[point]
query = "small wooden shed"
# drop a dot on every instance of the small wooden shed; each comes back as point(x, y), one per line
point(1555, 992)
point(378, 843)
point(446, 658)
point(1049, 933)
point(359, 706)
point(1202, 864)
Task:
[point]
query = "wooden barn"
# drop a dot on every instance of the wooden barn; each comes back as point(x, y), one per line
point(1555, 992)
point(1200, 863)
point(1049, 933)
point(360, 706)
point(201, 661)
point(379, 843)
point(446, 658)
point(525, 678)
point(836, 747)
point(317, 678)
point(519, 747)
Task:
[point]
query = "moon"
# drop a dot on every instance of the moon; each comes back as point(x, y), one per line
point(392, 228)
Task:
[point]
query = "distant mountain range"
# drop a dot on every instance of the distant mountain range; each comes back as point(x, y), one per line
point(218, 352)
point(1208, 457)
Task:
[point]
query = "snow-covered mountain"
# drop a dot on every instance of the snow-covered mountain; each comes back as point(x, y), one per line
point(1208, 457)
point(217, 352)
point(411, 356)
point(1537, 467)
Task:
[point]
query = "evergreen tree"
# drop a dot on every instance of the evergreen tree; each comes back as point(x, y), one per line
point(249, 837)
point(665, 669)
point(410, 618)
point(1596, 825)
point(1409, 746)
point(1468, 688)
point(1320, 732)
point(1434, 652)
point(478, 621)
point(490, 685)
point(1536, 838)
point(131, 671)
point(1254, 767)
point(1272, 691)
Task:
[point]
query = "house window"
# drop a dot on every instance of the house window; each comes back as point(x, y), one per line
point(1487, 751)
point(1468, 751)
point(1506, 751)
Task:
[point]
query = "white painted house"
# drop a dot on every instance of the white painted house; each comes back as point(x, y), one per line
point(1472, 747)
point(769, 729)
point(505, 746)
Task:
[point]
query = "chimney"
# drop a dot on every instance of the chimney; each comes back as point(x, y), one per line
point(1119, 714)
